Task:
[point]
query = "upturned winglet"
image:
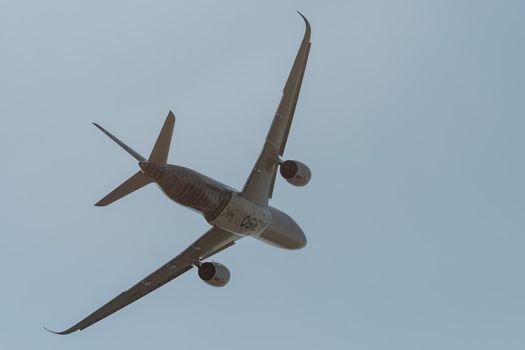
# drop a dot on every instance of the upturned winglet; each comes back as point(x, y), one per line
point(308, 28)
point(67, 331)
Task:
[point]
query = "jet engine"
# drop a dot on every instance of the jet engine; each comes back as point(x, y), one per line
point(295, 172)
point(214, 274)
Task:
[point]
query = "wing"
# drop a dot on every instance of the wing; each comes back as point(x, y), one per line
point(259, 186)
point(208, 244)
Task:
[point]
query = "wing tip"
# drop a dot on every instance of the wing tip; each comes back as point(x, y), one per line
point(67, 331)
point(308, 27)
point(101, 203)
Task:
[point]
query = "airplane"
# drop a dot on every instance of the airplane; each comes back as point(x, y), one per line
point(232, 214)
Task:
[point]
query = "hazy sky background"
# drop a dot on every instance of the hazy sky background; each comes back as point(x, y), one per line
point(411, 117)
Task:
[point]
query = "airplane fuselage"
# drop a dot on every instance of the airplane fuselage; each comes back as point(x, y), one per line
point(224, 207)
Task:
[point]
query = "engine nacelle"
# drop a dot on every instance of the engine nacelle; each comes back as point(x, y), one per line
point(295, 172)
point(214, 274)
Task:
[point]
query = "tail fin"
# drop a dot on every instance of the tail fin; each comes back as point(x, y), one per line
point(159, 156)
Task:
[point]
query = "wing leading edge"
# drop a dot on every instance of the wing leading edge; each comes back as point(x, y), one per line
point(207, 245)
point(260, 183)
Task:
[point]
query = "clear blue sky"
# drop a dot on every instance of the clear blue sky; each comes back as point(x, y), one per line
point(411, 117)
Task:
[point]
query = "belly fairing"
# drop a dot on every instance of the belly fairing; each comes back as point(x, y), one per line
point(243, 217)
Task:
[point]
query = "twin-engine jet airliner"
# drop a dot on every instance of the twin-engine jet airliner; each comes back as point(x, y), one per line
point(232, 214)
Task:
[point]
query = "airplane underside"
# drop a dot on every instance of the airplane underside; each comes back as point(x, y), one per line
point(232, 214)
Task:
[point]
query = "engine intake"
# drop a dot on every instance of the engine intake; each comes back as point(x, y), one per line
point(295, 172)
point(214, 274)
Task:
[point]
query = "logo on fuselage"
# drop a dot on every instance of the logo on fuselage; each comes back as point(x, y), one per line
point(243, 217)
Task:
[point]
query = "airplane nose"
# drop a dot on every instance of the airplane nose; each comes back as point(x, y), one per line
point(301, 241)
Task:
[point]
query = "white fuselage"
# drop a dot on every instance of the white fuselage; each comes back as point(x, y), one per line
point(267, 224)
point(240, 216)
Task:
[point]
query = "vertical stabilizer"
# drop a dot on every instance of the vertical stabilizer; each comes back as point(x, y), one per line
point(159, 154)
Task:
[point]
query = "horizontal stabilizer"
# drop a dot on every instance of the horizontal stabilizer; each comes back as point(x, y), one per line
point(121, 144)
point(130, 185)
